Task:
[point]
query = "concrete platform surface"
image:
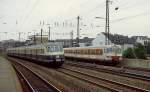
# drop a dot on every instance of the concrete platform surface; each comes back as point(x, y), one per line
point(9, 81)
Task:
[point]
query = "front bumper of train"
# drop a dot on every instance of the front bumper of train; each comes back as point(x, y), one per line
point(114, 58)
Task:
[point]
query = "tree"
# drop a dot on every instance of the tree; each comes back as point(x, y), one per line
point(137, 52)
point(147, 48)
point(140, 51)
point(128, 53)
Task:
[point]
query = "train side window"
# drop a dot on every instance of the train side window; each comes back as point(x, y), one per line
point(97, 51)
point(67, 51)
point(92, 52)
point(101, 51)
point(81, 51)
point(87, 51)
point(78, 51)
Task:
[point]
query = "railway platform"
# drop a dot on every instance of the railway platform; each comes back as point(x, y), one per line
point(9, 81)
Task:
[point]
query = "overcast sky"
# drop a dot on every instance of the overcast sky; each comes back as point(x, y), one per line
point(132, 17)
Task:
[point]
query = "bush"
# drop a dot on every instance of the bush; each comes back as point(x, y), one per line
point(137, 52)
point(140, 51)
point(147, 48)
point(128, 53)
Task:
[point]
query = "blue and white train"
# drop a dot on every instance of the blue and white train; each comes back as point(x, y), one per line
point(51, 54)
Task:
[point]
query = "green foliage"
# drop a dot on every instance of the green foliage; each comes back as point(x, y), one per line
point(140, 51)
point(128, 53)
point(147, 48)
point(137, 52)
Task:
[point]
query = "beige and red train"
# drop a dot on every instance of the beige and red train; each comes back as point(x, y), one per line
point(99, 54)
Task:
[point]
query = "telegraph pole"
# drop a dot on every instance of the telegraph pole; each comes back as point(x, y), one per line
point(107, 30)
point(78, 30)
point(19, 36)
point(41, 31)
point(49, 34)
point(71, 35)
point(34, 38)
point(41, 35)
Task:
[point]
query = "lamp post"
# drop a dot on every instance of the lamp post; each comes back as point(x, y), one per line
point(34, 39)
point(78, 31)
point(49, 32)
point(29, 34)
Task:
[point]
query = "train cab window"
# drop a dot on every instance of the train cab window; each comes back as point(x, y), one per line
point(118, 50)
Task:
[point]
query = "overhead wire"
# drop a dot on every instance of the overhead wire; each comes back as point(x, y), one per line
point(29, 13)
point(131, 17)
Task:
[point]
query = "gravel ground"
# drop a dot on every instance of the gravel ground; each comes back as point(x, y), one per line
point(126, 80)
point(64, 82)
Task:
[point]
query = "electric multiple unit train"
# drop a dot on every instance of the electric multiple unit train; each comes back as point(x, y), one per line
point(99, 54)
point(50, 53)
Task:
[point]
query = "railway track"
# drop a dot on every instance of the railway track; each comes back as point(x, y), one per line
point(89, 81)
point(35, 82)
point(101, 82)
point(71, 83)
point(113, 74)
point(127, 72)
point(97, 81)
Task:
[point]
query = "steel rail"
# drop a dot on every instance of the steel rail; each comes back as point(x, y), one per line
point(120, 72)
point(40, 77)
point(110, 81)
point(91, 82)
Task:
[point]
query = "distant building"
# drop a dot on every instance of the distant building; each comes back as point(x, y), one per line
point(86, 41)
point(37, 39)
point(99, 40)
point(117, 39)
point(144, 40)
point(124, 41)
point(10, 43)
point(72, 42)
point(65, 42)
point(120, 39)
point(113, 39)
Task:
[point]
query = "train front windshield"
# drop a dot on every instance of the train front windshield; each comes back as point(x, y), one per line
point(55, 48)
point(114, 49)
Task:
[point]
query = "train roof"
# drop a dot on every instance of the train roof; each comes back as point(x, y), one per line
point(102, 46)
point(39, 45)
